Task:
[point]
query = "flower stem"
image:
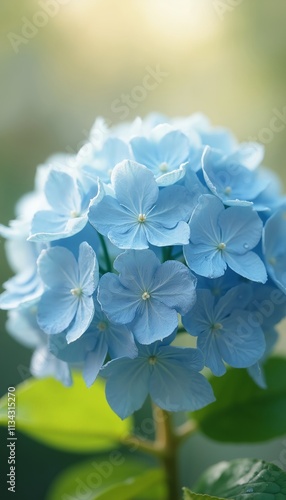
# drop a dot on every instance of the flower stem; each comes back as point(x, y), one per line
point(165, 446)
point(105, 252)
point(166, 436)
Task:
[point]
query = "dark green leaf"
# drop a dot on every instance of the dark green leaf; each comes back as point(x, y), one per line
point(74, 418)
point(244, 479)
point(244, 412)
point(110, 476)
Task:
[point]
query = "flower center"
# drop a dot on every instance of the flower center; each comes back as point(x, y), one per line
point(77, 292)
point(221, 246)
point(152, 360)
point(228, 190)
point(101, 326)
point(141, 218)
point(74, 214)
point(272, 261)
point(145, 296)
point(164, 167)
point(216, 326)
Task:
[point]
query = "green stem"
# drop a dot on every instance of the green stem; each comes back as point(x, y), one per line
point(105, 252)
point(169, 444)
point(167, 253)
point(165, 447)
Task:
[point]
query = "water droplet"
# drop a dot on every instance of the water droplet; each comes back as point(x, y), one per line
point(249, 490)
point(246, 246)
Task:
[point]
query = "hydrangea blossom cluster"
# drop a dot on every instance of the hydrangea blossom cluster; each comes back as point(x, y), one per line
point(155, 228)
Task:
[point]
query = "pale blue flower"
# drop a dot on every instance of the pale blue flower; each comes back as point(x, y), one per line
point(225, 330)
point(67, 303)
point(140, 214)
point(169, 374)
point(222, 237)
point(147, 295)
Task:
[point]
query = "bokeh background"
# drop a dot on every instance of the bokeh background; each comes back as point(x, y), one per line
point(225, 58)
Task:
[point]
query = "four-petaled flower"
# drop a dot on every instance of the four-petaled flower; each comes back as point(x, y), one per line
point(147, 216)
point(147, 295)
point(67, 303)
point(225, 330)
point(223, 237)
point(169, 374)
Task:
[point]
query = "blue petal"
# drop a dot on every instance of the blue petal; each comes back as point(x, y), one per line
point(174, 204)
point(58, 268)
point(241, 229)
point(153, 321)
point(240, 344)
point(175, 286)
point(127, 384)
point(56, 311)
point(256, 373)
point(120, 342)
point(62, 193)
point(118, 303)
point(159, 236)
point(49, 226)
point(176, 386)
point(82, 318)
point(44, 364)
point(201, 316)
point(203, 224)
point(249, 266)
point(137, 269)
point(88, 269)
point(75, 352)
point(128, 237)
point(238, 296)
point(171, 177)
point(109, 214)
point(94, 361)
point(208, 344)
point(136, 180)
point(204, 260)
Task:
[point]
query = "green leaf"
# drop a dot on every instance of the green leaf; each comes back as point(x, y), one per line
point(71, 418)
point(243, 479)
point(243, 412)
point(112, 475)
point(190, 495)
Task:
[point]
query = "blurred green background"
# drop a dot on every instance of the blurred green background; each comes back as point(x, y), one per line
point(225, 58)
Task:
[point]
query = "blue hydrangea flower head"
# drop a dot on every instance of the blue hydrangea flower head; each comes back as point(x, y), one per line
point(144, 204)
point(140, 214)
point(147, 295)
point(169, 374)
point(222, 237)
point(67, 302)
